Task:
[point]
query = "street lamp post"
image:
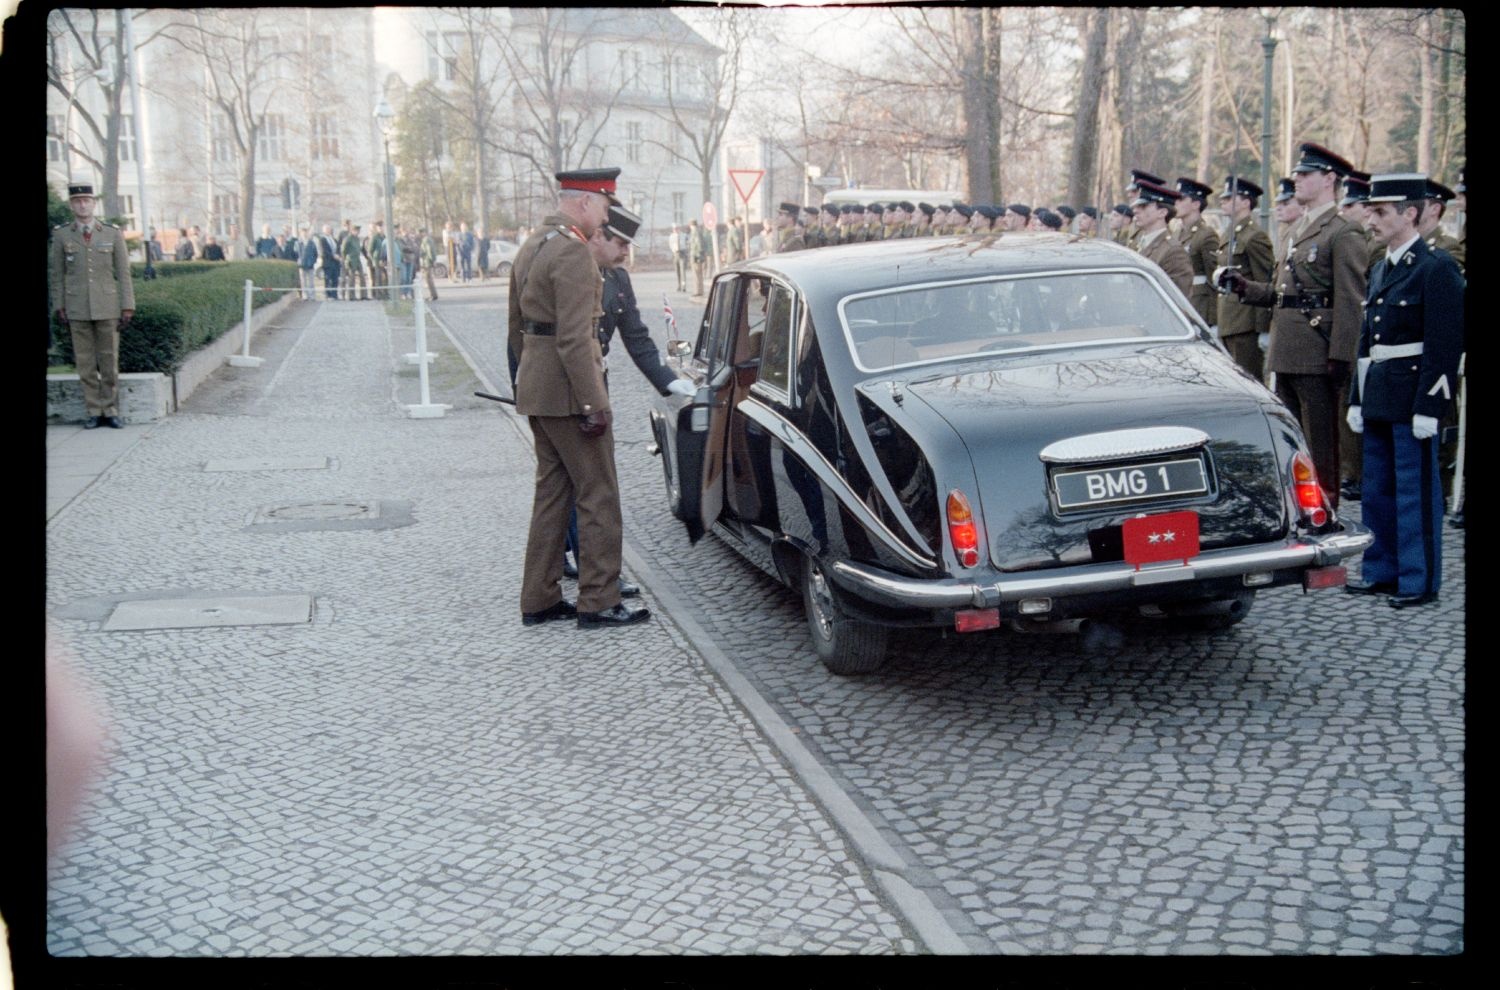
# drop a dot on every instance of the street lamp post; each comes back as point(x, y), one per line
point(139, 149)
point(386, 117)
point(1268, 45)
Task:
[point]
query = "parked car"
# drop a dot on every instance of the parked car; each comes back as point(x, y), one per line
point(1033, 432)
point(502, 256)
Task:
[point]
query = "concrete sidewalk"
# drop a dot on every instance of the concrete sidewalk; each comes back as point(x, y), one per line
point(331, 734)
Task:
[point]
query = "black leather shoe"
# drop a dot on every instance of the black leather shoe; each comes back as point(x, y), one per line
point(628, 590)
point(93, 422)
point(620, 615)
point(113, 422)
point(564, 609)
point(1370, 588)
point(570, 570)
point(1411, 601)
point(1349, 490)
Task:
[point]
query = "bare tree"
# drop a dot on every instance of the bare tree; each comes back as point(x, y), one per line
point(1093, 29)
point(981, 102)
point(701, 92)
point(95, 39)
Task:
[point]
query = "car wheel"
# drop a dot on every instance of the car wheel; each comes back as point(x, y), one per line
point(440, 270)
point(1217, 616)
point(502, 269)
point(846, 646)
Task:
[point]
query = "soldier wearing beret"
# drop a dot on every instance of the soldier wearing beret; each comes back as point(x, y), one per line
point(1047, 219)
point(1315, 298)
point(959, 215)
point(1154, 206)
point(828, 224)
point(788, 232)
point(1248, 249)
point(92, 293)
point(1410, 341)
point(849, 215)
point(1068, 214)
point(555, 299)
point(1201, 241)
point(1121, 224)
point(1017, 216)
point(922, 220)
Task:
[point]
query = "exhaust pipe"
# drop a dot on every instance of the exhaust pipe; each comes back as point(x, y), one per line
point(1096, 637)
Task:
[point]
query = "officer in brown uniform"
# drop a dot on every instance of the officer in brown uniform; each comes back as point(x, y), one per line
point(1355, 208)
point(1315, 296)
point(555, 289)
point(92, 293)
point(1153, 207)
point(1438, 197)
point(1201, 241)
point(788, 233)
point(1248, 249)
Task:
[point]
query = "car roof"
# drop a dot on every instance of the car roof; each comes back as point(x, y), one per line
point(851, 268)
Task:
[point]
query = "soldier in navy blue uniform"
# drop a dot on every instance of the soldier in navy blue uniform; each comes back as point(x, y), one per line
point(1407, 374)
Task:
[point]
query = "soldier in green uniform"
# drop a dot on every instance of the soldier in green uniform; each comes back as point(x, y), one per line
point(788, 228)
point(1248, 249)
point(1088, 221)
point(959, 216)
point(1121, 222)
point(355, 276)
point(734, 241)
point(922, 220)
point(429, 253)
point(92, 293)
point(1154, 207)
point(1438, 198)
point(379, 277)
point(1286, 211)
point(1355, 208)
point(875, 222)
point(828, 224)
point(1316, 297)
point(1017, 216)
point(700, 248)
point(1047, 220)
point(1201, 241)
point(1068, 214)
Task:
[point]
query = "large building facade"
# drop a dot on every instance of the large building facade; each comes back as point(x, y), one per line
point(553, 88)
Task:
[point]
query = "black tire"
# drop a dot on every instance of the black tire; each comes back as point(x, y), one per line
point(502, 269)
point(846, 646)
point(439, 270)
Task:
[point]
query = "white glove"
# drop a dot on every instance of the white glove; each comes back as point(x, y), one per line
point(681, 386)
point(1264, 341)
point(1356, 419)
point(1423, 427)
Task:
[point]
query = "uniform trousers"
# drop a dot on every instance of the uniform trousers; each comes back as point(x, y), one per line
point(1403, 506)
point(573, 469)
point(1314, 402)
point(1245, 350)
point(1351, 448)
point(96, 355)
point(682, 270)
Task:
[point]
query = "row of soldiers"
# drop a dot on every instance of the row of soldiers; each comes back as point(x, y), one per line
point(800, 227)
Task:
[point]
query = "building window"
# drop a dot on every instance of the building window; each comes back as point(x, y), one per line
point(633, 141)
point(325, 136)
point(226, 212)
point(679, 208)
point(54, 137)
point(272, 138)
point(127, 138)
point(223, 146)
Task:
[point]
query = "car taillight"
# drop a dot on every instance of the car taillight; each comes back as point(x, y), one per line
point(1307, 490)
point(962, 531)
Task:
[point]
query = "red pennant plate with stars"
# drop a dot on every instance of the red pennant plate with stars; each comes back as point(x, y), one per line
point(1169, 536)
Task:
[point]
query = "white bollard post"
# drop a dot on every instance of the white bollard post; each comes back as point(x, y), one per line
point(243, 359)
point(424, 410)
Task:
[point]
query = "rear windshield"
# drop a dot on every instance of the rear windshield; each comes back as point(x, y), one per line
point(960, 319)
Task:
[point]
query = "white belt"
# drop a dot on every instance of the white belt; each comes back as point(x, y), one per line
point(1385, 352)
point(1200, 279)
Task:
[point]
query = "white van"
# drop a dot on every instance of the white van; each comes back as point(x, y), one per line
point(934, 197)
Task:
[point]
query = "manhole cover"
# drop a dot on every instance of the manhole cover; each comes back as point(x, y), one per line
point(198, 613)
point(320, 511)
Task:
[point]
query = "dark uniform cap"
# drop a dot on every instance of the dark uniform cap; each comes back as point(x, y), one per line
point(1316, 158)
point(1356, 188)
point(1067, 211)
point(1154, 192)
point(80, 189)
point(831, 208)
point(851, 208)
point(1398, 187)
point(962, 209)
point(1239, 186)
point(1438, 191)
point(874, 208)
point(1121, 209)
point(594, 180)
point(1136, 175)
point(622, 223)
point(811, 209)
point(1193, 189)
point(1020, 209)
point(1090, 211)
point(927, 208)
point(790, 209)
point(908, 207)
point(1049, 219)
point(991, 212)
point(1287, 190)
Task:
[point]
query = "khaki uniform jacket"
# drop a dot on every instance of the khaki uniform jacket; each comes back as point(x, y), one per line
point(91, 281)
point(789, 240)
point(1202, 245)
point(1255, 258)
point(1328, 258)
point(1172, 257)
point(554, 280)
point(1443, 242)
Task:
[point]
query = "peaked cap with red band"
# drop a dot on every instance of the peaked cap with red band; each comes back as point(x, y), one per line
point(594, 180)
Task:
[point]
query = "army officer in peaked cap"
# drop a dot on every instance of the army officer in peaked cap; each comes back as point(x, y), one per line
point(555, 289)
point(1409, 346)
point(92, 293)
point(1201, 241)
point(1248, 249)
point(1315, 299)
point(1155, 205)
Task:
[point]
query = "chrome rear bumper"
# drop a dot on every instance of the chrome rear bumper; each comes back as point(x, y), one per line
point(899, 591)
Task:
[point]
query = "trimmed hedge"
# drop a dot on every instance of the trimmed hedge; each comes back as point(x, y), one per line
point(177, 313)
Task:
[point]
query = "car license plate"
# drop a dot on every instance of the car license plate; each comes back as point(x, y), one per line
point(1133, 483)
point(1168, 536)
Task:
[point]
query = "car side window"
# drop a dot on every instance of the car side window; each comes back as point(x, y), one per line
point(776, 351)
point(717, 334)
